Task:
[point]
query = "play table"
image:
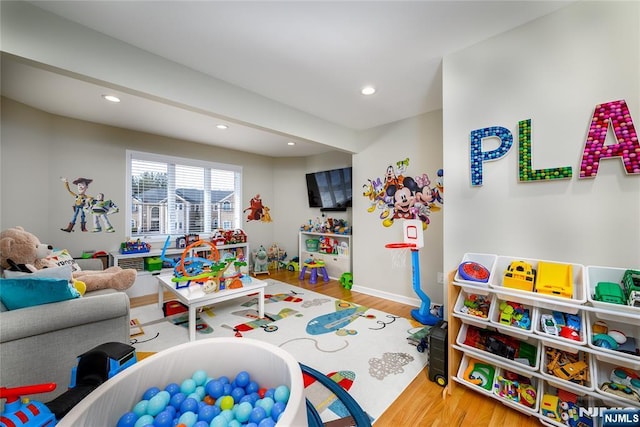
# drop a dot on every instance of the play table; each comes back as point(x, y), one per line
point(194, 297)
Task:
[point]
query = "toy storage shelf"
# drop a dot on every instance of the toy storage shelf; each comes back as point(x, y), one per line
point(335, 263)
point(146, 283)
point(602, 360)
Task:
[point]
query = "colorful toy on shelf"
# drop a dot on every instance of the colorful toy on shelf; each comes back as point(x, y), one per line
point(514, 314)
point(519, 275)
point(549, 325)
point(516, 388)
point(473, 272)
point(631, 286)
point(476, 305)
point(554, 279)
point(276, 256)
point(480, 374)
point(550, 407)
point(567, 366)
point(626, 376)
point(609, 292)
point(134, 247)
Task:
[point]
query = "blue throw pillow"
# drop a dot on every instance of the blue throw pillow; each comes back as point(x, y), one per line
point(29, 291)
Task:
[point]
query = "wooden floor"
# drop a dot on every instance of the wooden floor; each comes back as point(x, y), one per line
point(422, 403)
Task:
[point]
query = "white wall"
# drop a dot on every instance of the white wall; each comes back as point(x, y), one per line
point(38, 148)
point(375, 272)
point(553, 71)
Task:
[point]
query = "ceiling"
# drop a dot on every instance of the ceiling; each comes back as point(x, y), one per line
point(313, 56)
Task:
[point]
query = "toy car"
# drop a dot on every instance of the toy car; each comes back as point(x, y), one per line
point(548, 324)
point(621, 390)
point(571, 371)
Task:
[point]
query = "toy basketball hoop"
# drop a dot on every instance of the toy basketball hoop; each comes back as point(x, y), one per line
point(413, 241)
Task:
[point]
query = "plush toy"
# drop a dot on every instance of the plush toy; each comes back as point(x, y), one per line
point(260, 261)
point(23, 251)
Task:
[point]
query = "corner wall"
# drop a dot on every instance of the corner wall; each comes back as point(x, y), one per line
point(554, 71)
point(378, 270)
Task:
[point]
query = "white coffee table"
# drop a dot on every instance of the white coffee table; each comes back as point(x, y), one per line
point(194, 297)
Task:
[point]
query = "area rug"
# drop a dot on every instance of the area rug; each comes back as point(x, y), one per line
point(367, 351)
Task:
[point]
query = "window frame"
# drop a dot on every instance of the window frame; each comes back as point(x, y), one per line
point(182, 161)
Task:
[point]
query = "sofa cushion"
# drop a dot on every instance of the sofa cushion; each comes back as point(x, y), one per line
point(21, 292)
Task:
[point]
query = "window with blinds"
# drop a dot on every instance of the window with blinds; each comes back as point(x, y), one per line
point(177, 196)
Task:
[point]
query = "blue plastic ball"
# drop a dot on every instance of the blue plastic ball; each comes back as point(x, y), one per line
point(267, 422)
point(145, 420)
point(257, 415)
point(177, 399)
point(128, 419)
point(234, 423)
point(140, 408)
point(163, 419)
point(214, 388)
point(219, 421)
point(156, 405)
point(200, 391)
point(269, 393)
point(252, 387)
point(150, 393)
point(201, 424)
point(243, 411)
point(242, 379)
point(188, 419)
point(278, 408)
point(226, 389)
point(237, 394)
point(188, 386)
point(207, 413)
point(224, 379)
point(189, 405)
point(199, 377)
point(266, 404)
point(172, 388)
point(281, 394)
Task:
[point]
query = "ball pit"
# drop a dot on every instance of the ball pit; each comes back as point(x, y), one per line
point(222, 382)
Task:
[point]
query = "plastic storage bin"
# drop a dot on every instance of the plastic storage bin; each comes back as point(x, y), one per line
point(477, 372)
point(568, 370)
point(474, 306)
point(486, 260)
point(630, 329)
point(507, 322)
point(267, 364)
point(557, 340)
point(527, 356)
point(607, 274)
point(512, 389)
point(604, 375)
point(557, 403)
point(312, 245)
point(543, 300)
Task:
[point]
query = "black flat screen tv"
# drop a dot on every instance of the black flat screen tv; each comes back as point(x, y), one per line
point(330, 190)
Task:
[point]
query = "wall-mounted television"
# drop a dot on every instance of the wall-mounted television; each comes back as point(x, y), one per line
point(330, 190)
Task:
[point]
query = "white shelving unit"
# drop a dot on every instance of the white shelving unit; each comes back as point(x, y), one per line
point(335, 263)
point(146, 282)
point(601, 360)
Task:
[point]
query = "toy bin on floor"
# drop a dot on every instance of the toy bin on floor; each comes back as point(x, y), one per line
point(267, 364)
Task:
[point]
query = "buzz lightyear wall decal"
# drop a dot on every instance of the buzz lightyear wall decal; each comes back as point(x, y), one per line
point(399, 196)
point(84, 204)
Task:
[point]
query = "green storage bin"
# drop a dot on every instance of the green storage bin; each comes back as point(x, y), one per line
point(312, 245)
point(153, 263)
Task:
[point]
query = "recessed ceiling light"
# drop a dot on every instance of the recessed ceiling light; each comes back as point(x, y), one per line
point(291, 143)
point(368, 90)
point(222, 126)
point(111, 98)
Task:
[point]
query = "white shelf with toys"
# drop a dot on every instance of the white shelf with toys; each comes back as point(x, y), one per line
point(333, 249)
point(550, 339)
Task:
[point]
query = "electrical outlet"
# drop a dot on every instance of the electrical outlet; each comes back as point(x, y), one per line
point(440, 277)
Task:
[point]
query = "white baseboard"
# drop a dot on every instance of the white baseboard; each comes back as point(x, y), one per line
point(415, 302)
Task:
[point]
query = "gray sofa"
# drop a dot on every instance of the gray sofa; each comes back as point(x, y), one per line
point(40, 344)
